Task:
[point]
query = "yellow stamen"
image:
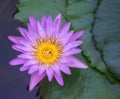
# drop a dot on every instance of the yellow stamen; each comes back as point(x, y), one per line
point(48, 51)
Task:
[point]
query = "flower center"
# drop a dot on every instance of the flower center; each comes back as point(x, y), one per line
point(48, 51)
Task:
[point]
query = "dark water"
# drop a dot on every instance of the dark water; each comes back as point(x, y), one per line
point(13, 83)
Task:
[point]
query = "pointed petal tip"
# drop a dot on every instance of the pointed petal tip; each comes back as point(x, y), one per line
point(20, 28)
point(69, 23)
point(12, 63)
point(11, 37)
point(49, 16)
point(80, 64)
point(49, 72)
point(82, 31)
point(61, 84)
point(50, 79)
point(14, 39)
point(17, 61)
point(30, 88)
point(84, 66)
point(59, 78)
point(43, 17)
point(77, 63)
point(58, 18)
point(59, 15)
point(31, 17)
point(68, 73)
point(35, 79)
point(81, 42)
point(21, 69)
point(65, 69)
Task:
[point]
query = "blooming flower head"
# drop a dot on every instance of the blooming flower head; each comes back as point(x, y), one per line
point(46, 49)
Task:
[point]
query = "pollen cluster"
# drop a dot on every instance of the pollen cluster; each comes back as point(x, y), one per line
point(48, 51)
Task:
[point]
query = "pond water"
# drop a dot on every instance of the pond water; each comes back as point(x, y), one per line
point(13, 83)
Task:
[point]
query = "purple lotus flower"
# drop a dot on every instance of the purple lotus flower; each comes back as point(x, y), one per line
point(46, 49)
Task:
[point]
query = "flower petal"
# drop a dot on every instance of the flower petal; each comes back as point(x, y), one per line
point(43, 22)
point(20, 47)
point(57, 23)
point(31, 62)
point(40, 30)
point(66, 37)
point(49, 72)
point(24, 67)
point(26, 56)
point(59, 78)
point(17, 49)
point(41, 69)
point(64, 60)
point(35, 79)
point(72, 51)
point(26, 44)
point(75, 36)
point(23, 32)
point(64, 30)
point(15, 39)
point(56, 69)
point(72, 45)
point(77, 63)
point(17, 61)
point(31, 36)
point(33, 24)
point(65, 69)
point(49, 26)
point(33, 69)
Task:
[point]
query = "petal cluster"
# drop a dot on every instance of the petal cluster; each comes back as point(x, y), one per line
point(55, 47)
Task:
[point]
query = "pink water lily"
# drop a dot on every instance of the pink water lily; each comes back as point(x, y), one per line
point(46, 49)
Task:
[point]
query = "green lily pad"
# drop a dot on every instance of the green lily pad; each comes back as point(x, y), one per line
point(84, 19)
point(38, 8)
point(85, 84)
point(107, 34)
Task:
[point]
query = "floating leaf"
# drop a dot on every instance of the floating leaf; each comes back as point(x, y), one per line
point(38, 8)
point(87, 84)
point(107, 34)
point(84, 19)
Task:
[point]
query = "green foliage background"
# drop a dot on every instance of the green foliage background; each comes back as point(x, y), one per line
point(101, 49)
